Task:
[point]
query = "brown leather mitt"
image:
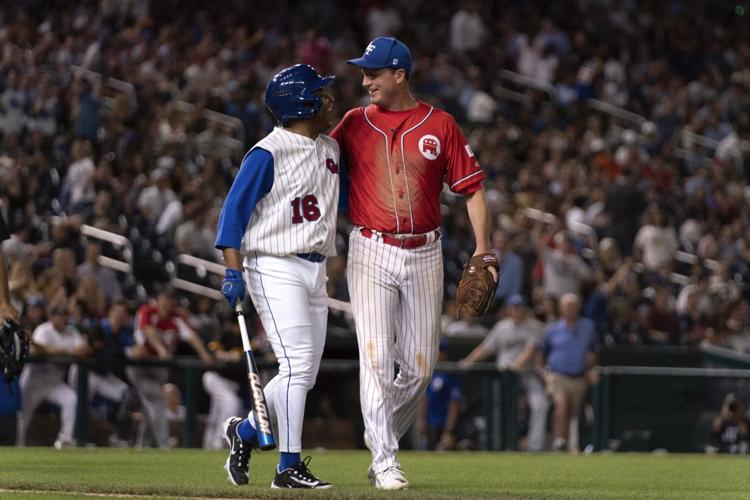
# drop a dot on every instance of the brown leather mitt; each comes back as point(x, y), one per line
point(477, 287)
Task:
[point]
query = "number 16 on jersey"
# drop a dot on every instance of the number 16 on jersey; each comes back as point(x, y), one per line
point(305, 208)
point(266, 440)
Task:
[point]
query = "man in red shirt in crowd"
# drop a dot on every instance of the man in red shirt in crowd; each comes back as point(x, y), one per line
point(398, 153)
point(159, 327)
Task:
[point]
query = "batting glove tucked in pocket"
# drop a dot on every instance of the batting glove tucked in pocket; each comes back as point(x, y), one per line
point(233, 286)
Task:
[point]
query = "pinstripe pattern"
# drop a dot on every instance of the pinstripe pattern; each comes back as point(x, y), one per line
point(281, 342)
point(289, 293)
point(290, 296)
point(403, 160)
point(299, 170)
point(388, 168)
point(396, 300)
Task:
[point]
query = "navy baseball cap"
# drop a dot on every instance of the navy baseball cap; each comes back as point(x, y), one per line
point(385, 52)
point(517, 300)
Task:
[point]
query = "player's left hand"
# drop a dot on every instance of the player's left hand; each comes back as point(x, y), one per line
point(233, 286)
point(492, 269)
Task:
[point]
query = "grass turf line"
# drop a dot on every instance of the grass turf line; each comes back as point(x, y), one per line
point(197, 473)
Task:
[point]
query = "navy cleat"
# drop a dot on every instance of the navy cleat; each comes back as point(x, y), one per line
point(239, 453)
point(299, 476)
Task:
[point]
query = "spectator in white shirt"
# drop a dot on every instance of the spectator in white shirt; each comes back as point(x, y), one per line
point(467, 30)
point(656, 242)
point(507, 340)
point(45, 382)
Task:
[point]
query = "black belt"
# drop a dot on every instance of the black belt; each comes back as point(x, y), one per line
point(312, 257)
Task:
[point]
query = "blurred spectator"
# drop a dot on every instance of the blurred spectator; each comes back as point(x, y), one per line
point(563, 270)
point(225, 344)
point(34, 314)
point(569, 354)
point(159, 328)
point(174, 409)
point(153, 200)
point(624, 203)
point(441, 407)
point(104, 276)
point(660, 325)
point(729, 431)
point(511, 267)
point(78, 186)
point(467, 29)
point(656, 242)
point(510, 340)
point(109, 340)
point(382, 20)
point(465, 327)
point(45, 382)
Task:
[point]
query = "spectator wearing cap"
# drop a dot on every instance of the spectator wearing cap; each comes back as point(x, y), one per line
point(45, 382)
point(441, 407)
point(568, 352)
point(34, 314)
point(510, 340)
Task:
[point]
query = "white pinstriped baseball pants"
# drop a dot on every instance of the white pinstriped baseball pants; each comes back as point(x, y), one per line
point(396, 299)
point(290, 296)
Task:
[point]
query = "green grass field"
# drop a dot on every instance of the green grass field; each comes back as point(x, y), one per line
point(48, 473)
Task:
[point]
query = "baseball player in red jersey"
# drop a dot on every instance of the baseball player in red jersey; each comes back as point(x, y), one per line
point(398, 152)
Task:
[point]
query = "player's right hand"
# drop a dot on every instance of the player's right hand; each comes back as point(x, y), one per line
point(233, 286)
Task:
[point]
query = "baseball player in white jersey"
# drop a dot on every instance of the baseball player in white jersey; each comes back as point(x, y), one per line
point(280, 215)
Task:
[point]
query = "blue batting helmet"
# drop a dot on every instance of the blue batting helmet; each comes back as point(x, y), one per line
point(290, 95)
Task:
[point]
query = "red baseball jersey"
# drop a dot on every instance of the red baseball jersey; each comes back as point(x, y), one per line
point(171, 329)
point(398, 161)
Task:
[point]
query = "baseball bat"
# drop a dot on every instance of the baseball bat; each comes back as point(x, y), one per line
point(263, 426)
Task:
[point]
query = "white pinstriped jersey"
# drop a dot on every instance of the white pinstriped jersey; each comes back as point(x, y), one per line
point(298, 214)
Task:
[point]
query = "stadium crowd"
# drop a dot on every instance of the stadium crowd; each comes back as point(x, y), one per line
point(615, 135)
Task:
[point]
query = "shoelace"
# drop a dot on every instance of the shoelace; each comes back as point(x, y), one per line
point(303, 471)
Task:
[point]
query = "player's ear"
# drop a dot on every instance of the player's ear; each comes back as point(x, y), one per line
point(400, 75)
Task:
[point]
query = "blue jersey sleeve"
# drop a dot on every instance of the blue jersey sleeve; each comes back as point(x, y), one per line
point(253, 181)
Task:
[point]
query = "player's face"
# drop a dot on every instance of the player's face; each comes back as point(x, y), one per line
point(381, 84)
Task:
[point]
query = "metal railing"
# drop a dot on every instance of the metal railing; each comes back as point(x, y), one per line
point(119, 242)
point(202, 266)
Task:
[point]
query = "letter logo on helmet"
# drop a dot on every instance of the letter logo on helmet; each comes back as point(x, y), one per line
point(290, 95)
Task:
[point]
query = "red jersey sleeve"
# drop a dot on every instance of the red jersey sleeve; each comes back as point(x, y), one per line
point(463, 175)
point(143, 317)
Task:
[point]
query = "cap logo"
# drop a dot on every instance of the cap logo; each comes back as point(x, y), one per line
point(369, 49)
point(395, 61)
point(429, 146)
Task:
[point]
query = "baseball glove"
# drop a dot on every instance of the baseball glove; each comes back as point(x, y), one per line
point(477, 287)
point(14, 348)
